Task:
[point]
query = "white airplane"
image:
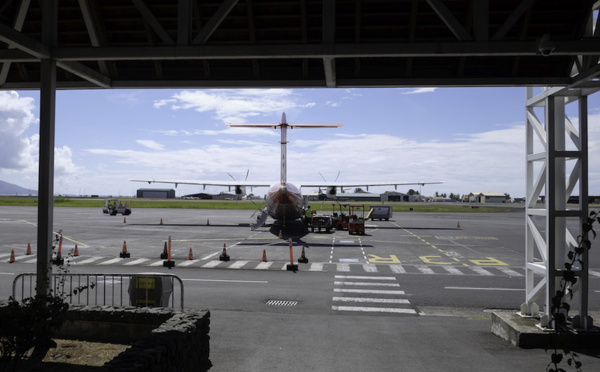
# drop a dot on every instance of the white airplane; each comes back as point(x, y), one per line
point(284, 201)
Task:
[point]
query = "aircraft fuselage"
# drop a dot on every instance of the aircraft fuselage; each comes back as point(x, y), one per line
point(284, 202)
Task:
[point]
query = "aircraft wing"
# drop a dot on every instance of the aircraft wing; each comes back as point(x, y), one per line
point(209, 183)
point(365, 184)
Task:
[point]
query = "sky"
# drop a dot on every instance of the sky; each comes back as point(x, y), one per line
point(472, 139)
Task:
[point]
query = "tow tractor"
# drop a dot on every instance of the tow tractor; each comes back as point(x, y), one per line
point(114, 207)
point(340, 221)
point(321, 222)
point(356, 224)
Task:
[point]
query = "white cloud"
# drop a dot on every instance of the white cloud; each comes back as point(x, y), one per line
point(420, 90)
point(16, 115)
point(152, 145)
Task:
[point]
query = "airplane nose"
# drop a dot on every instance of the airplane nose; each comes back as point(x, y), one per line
point(283, 190)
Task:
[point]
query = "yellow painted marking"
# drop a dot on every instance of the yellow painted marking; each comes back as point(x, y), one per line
point(432, 260)
point(491, 261)
point(393, 259)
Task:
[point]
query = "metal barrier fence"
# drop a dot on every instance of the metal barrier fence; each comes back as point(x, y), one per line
point(107, 289)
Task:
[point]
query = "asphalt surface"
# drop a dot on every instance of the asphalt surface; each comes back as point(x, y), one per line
point(412, 294)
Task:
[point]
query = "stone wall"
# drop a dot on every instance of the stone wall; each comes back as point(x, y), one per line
point(162, 339)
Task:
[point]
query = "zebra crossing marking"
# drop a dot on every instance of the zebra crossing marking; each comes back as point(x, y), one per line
point(374, 309)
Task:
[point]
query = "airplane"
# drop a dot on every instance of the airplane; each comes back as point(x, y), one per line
point(284, 200)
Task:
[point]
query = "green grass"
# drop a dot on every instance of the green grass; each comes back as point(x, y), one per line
point(25, 201)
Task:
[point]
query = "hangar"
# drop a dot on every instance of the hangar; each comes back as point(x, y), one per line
point(156, 193)
point(548, 45)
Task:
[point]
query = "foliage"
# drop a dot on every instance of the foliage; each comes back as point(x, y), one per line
point(31, 323)
point(560, 307)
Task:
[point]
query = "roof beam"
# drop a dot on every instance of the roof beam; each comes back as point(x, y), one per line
point(154, 23)
point(214, 22)
point(86, 73)
point(211, 52)
point(512, 19)
point(16, 39)
point(449, 20)
point(328, 26)
point(18, 25)
point(184, 22)
point(93, 30)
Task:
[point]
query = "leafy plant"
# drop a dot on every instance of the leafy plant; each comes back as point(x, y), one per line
point(560, 307)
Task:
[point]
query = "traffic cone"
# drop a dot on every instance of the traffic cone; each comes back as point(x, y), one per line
point(280, 234)
point(59, 260)
point(190, 255)
point(124, 219)
point(161, 221)
point(12, 256)
point(264, 257)
point(458, 225)
point(169, 263)
point(303, 258)
point(124, 253)
point(224, 256)
point(28, 249)
point(164, 255)
point(207, 222)
point(76, 251)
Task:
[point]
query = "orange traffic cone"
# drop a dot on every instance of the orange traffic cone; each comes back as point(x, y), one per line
point(76, 251)
point(124, 219)
point(59, 253)
point(161, 221)
point(264, 257)
point(165, 254)
point(207, 222)
point(303, 258)
point(28, 249)
point(191, 255)
point(224, 256)
point(280, 234)
point(458, 225)
point(124, 253)
point(12, 256)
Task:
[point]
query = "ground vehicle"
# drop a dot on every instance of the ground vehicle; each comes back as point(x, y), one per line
point(340, 220)
point(381, 212)
point(321, 222)
point(114, 207)
point(356, 224)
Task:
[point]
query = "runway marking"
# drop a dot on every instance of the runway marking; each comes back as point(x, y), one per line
point(424, 269)
point(114, 260)
point(434, 260)
point(594, 273)
point(491, 261)
point(371, 291)
point(157, 263)
point(485, 289)
point(88, 260)
point(509, 272)
point(188, 263)
point(343, 267)
point(372, 300)
point(264, 265)
point(135, 262)
point(393, 259)
point(364, 284)
point(365, 277)
point(211, 264)
point(374, 309)
point(227, 281)
point(481, 271)
point(453, 270)
point(398, 269)
point(370, 268)
point(316, 267)
point(465, 237)
point(238, 264)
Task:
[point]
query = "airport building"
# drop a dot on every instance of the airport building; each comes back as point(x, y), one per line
point(156, 193)
point(487, 197)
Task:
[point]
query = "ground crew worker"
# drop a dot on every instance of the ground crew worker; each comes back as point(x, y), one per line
point(308, 216)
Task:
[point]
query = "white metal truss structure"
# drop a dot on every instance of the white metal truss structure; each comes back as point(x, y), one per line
point(557, 167)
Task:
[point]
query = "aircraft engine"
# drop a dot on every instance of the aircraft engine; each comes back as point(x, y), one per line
point(240, 190)
point(331, 191)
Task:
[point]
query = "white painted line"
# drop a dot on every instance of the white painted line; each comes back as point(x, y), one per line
point(157, 263)
point(21, 257)
point(316, 267)
point(368, 284)
point(424, 269)
point(509, 272)
point(211, 264)
point(594, 273)
point(371, 291)
point(453, 270)
point(227, 281)
point(480, 270)
point(397, 269)
point(485, 289)
point(136, 262)
point(373, 309)
point(370, 268)
point(4, 255)
point(343, 267)
point(211, 255)
point(264, 265)
point(88, 260)
point(365, 277)
point(7, 273)
point(347, 241)
point(31, 261)
point(109, 262)
point(187, 263)
point(372, 300)
point(237, 264)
